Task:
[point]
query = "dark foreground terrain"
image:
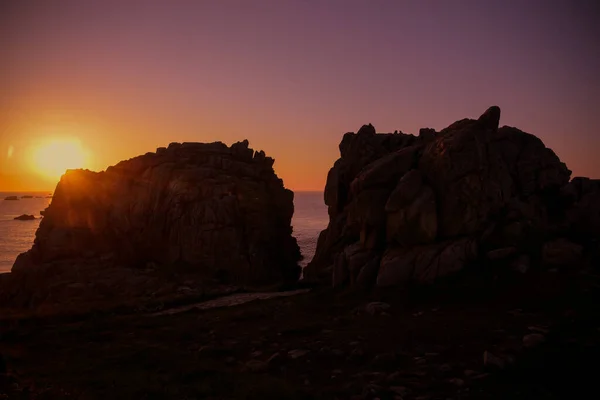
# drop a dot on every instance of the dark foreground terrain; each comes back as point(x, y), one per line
point(321, 345)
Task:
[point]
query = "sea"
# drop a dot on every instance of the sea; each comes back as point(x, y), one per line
point(310, 218)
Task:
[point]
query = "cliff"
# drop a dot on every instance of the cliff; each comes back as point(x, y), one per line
point(408, 209)
point(218, 213)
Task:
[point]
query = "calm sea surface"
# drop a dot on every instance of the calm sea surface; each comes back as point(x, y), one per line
point(17, 236)
point(310, 217)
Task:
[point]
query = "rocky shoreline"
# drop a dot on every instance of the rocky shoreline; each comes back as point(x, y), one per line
point(456, 264)
point(532, 343)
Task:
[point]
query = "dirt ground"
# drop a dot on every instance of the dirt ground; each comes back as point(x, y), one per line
point(323, 344)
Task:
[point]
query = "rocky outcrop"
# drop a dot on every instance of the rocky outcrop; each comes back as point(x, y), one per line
point(216, 213)
point(407, 208)
point(25, 217)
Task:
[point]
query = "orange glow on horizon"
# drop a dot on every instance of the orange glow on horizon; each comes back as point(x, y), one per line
point(165, 74)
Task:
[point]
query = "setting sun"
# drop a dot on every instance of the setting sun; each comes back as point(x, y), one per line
point(53, 158)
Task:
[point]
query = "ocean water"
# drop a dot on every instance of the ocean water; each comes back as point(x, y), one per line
point(310, 217)
point(17, 236)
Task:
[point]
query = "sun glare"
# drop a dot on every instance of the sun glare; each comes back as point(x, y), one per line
point(53, 158)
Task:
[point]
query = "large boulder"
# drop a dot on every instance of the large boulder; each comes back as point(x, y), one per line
point(411, 211)
point(583, 213)
point(216, 212)
point(561, 253)
point(424, 264)
point(427, 207)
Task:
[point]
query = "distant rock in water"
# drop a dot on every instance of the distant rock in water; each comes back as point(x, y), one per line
point(27, 197)
point(214, 213)
point(11, 198)
point(25, 217)
point(414, 209)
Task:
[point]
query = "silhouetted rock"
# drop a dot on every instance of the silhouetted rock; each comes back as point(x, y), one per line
point(427, 133)
point(376, 307)
point(582, 219)
point(218, 214)
point(415, 209)
point(2, 365)
point(533, 340)
point(11, 198)
point(490, 119)
point(25, 217)
point(367, 130)
point(561, 253)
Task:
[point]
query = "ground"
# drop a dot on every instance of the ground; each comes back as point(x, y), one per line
point(323, 344)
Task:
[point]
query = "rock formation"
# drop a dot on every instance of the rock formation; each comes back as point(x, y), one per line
point(219, 213)
point(406, 209)
point(25, 217)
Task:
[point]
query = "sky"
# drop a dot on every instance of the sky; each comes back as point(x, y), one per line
point(291, 76)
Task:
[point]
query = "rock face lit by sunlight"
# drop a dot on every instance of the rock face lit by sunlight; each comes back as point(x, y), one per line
point(53, 158)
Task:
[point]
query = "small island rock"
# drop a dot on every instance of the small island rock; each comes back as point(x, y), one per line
point(25, 217)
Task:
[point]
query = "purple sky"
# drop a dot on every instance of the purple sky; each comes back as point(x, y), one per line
point(293, 76)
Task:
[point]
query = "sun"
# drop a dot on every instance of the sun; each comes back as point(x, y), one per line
point(53, 158)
